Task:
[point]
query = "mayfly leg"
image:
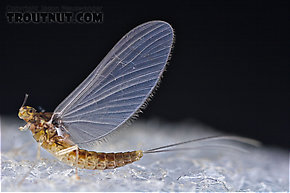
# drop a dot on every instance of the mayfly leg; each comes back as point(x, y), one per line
point(38, 151)
point(37, 160)
point(67, 151)
point(77, 161)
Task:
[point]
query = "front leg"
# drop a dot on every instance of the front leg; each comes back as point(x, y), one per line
point(26, 127)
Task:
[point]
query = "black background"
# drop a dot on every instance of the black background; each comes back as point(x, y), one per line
point(229, 67)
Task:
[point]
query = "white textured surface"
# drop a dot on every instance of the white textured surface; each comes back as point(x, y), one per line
point(265, 169)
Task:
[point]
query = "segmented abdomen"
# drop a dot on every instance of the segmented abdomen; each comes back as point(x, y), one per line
point(100, 161)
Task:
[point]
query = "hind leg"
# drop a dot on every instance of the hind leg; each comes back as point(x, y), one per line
point(68, 150)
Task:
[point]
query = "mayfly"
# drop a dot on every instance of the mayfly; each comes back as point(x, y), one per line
point(112, 94)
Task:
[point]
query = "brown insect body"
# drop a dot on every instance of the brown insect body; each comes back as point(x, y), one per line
point(46, 134)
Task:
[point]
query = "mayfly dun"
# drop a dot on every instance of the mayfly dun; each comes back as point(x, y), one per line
point(112, 94)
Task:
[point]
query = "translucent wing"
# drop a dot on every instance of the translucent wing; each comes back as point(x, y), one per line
point(119, 85)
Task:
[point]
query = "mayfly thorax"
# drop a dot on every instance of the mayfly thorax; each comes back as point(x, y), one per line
point(116, 90)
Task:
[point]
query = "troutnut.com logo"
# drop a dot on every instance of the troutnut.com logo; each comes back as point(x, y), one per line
point(58, 15)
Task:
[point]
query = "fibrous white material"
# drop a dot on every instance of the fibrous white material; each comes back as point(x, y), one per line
point(262, 169)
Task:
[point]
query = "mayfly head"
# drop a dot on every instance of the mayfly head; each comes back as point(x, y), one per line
point(26, 113)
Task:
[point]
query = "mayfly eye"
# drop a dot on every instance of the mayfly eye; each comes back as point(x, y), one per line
point(30, 111)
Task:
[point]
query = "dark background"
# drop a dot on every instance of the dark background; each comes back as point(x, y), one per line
point(229, 67)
